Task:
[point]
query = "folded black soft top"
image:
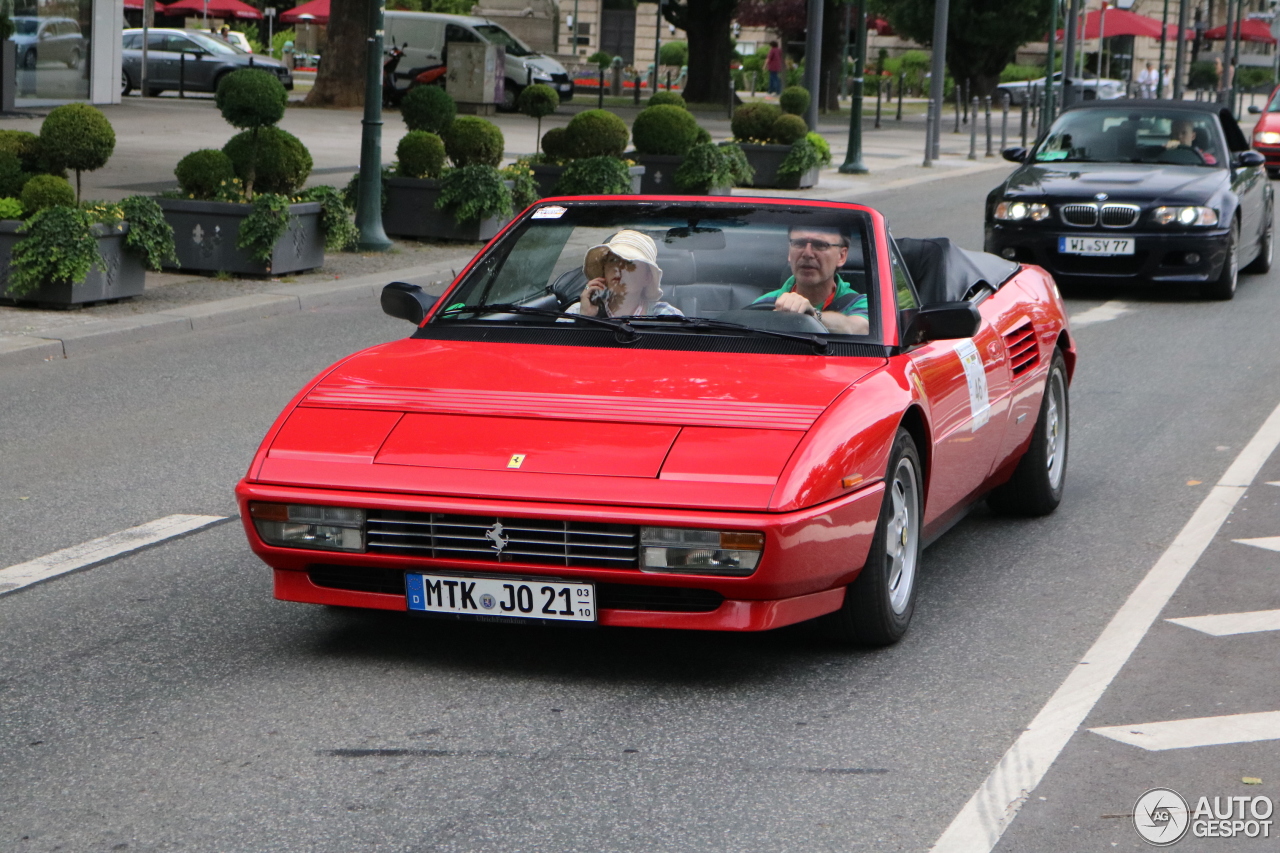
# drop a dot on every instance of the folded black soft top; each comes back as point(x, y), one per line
point(944, 272)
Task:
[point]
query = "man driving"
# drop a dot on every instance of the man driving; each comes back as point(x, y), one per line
point(814, 288)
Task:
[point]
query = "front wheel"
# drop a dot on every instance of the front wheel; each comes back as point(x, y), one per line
point(29, 59)
point(1036, 485)
point(878, 604)
point(1224, 286)
point(1266, 247)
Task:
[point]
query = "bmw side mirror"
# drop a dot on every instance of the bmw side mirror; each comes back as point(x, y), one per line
point(406, 301)
point(1016, 154)
point(942, 321)
point(1246, 159)
point(1254, 109)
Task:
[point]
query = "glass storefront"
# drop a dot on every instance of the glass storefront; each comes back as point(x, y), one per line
point(53, 47)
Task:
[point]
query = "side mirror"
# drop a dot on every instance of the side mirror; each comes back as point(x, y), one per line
point(1246, 159)
point(1254, 109)
point(406, 301)
point(1016, 154)
point(942, 321)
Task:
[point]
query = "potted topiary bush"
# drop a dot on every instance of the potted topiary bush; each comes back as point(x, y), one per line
point(589, 135)
point(663, 135)
point(710, 169)
point(242, 209)
point(56, 251)
point(769, 137)
point(537, 101)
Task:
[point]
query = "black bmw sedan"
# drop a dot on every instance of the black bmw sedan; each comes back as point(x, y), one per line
point(1138, 191)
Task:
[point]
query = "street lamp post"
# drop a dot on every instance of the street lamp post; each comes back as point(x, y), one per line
point(1069, 47)
point(369, 206)
point(938, 72)
point(853, 164)
point(813, 60)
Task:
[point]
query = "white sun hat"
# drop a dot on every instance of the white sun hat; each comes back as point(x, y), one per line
point(630, 246)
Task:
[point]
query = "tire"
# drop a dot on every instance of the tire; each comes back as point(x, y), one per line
point(126, 85)
point(29, 59)
point(154, 93)
point(878, 604)
point(1266, 247)
point(510, 94)
point(1224, 286)
point(74, 61)
point(217, 81)
point(1036, 485)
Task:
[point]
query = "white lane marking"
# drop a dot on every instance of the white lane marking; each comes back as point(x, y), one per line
point(1200, 731)
point(1227, 624)
point(1271, 543)
point(1100, 314)
point(101, 549)
point(988, 813)
point(1273, 482)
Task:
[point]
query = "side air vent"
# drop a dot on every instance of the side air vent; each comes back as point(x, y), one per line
point(1024, 354)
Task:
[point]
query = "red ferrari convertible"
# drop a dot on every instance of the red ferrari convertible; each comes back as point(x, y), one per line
point(725, 414)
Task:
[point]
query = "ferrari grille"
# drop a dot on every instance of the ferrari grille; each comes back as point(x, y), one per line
point(1023, 352)
point(1119, 215)
point(1083, 215)
point(552, 542)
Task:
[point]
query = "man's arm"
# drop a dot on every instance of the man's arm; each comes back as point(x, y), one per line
point(845, 324)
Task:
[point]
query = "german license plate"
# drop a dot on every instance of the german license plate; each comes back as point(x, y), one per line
point(519, 599)
point(1095, 245)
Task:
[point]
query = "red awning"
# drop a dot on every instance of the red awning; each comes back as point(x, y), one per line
point(214, 8)
point(317, 9)
point(881, 26)
point(1121, 22)
point(1251, 29)
point(140, 4)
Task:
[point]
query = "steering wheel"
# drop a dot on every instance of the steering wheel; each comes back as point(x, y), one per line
point(1180, 156)
point(760, 315)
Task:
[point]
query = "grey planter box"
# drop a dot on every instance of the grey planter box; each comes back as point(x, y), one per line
point(120, 275)
point(660, 173)
point(546, 177)
point(411, 212)
point(206, 232)
point(766, 159)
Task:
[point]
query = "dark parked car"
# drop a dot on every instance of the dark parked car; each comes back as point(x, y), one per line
point(1153, 191)
point(57, 39)
point(190, 58)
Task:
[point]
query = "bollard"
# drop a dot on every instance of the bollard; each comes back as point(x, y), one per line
point(902, 78)
point(1004, 121)
point(879, 86)
point(637, 91)
point(600, 92)
point(182, 75)
point(959, 95)
point(732, 95)
point(928, 136)
point(753, 80)
point(986, 105)
point(1025, 106)
point(973, 129)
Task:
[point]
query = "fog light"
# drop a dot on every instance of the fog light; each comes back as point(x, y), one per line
point(700, 552)
point(1192, 258)
point(327, 528)
point(1009, 252)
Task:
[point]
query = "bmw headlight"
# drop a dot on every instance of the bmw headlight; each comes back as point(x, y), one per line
point(1190, 215)
point(1016, 211)
point(1267, 137)
point(328, 528)
point(678, 550)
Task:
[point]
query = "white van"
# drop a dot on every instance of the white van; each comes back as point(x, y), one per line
point(423, 36)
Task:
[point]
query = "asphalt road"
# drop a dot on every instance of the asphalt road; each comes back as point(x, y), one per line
point(163, 701)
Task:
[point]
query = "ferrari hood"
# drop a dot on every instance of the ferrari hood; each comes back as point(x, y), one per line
point(558, 423)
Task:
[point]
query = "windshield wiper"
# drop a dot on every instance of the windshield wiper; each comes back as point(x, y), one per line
point(821, 345)
point(618, 325)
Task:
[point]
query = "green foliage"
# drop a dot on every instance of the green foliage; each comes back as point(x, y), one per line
point(251, 98)
point(474, 192)
point(340, 232)
point(524, 191)
point(555, 144)
point(802, 157)
point(59, 247)
point(1201, 75)
point(45, 191)
point(351, 192)
point(704, 167)
point(1014, 73)
point(665, 129)
point(420, 155)
point(596, 133)
point(704, 135)
point(664, 97)
point(787, 129)
point(538, 100)
point(276, 161)
point(10, 208)
point(12, 177)
point(753, 122)
point(150, 237)
point(262, 229)
point(603, 175)
point(6, 26)
point(600, 59)
point(473, 141)
point(203, 174)
point(673, 53)
point(26, 146)
point(740, 168)
point(279, 38)
point(794, 100)
point(77, 136)
point(1254, 77)
point(819, 142)
point(428, 108)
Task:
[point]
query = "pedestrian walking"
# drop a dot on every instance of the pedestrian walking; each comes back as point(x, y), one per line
point(773, 63)
point(1148, 79)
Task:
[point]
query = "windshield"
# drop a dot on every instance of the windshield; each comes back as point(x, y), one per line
point(25, 26)
point(676, 267)
point(213, 44)
point(497, 35)
point(1122, 136)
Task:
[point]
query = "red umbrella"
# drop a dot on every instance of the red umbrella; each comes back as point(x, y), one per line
point(141, 4)
point(1251, 29)
point(317, 9)
point(1122, 22)
point(215, 9)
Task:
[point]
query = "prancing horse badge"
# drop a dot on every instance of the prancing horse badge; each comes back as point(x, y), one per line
point(517, 459)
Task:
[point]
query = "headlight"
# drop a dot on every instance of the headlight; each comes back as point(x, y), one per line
point(699, 552)
point(1267, 137)
point(538, 79)
point(329, 528)
point(1185, 216)
point(1016, 211)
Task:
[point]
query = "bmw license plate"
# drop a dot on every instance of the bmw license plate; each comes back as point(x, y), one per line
point(510, 598)
point(1095, 245)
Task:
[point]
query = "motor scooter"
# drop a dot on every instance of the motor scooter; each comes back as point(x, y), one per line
point(426, 75)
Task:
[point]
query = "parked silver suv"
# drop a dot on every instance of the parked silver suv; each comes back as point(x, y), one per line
point(57, 39)
point(192, 59)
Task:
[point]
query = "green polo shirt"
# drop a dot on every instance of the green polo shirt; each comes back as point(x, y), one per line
point(855, 306)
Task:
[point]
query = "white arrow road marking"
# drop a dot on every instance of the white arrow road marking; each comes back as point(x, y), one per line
point(988, 813)
point(1227, 624)
point(100, 550)
point(1271, 543)
point(1201, 731)
point(1100, 314)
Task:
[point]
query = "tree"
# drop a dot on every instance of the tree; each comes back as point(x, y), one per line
point(983, 36)
point(790, 19)
point(708, 24)
point(340, 80)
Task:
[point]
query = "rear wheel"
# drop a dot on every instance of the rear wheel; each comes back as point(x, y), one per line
point(73, 61)
point(29, 59)
point(126, 85)
point(510, 93)
point(154, 93)
point(878, 604)
point(1224, 286)
point(1036, 485)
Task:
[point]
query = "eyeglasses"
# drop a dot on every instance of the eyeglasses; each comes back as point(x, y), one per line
point(818, 245)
